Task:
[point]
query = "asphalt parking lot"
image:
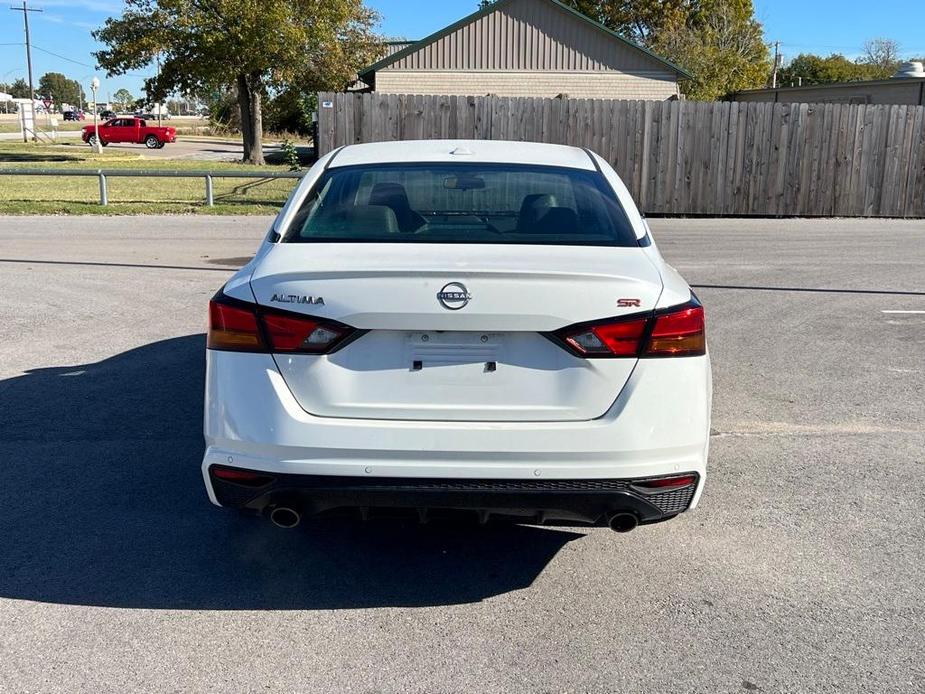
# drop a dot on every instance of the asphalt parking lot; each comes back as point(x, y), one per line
point(802, 571)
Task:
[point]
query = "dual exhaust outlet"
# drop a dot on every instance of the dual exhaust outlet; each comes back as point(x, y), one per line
point(286, 517)
point(622, 522)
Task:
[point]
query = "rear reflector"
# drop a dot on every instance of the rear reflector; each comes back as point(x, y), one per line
point(238, 476)
point(675, 332)
point(241, 327)
point(665, 483)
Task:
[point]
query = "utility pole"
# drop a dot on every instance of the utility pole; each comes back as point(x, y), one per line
point(777, 61)
point(159, 106)
point(25, 18)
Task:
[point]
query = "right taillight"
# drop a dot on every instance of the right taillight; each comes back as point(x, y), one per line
point(618, 339)
point(674, 332)
point(678, 333)
point(242, 327)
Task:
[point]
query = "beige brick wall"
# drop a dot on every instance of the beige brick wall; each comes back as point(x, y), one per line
point(578, 85)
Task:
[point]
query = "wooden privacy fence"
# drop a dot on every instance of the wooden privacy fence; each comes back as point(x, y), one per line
point(683, 157)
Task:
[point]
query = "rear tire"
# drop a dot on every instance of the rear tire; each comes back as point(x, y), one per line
point(151, 142)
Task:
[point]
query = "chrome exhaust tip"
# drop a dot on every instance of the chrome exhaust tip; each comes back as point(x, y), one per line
point(622, 522)
point(285, 517)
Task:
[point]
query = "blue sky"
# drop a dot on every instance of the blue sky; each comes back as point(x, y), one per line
point(819, 26)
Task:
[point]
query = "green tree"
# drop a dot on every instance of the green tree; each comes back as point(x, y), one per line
point(54, 85)
point(640, 20)
point(18, 89)
point(718, 41)
point(807, 68)
point(123, 97)
point(721, 44)
point(255, 47)
point(290, 112)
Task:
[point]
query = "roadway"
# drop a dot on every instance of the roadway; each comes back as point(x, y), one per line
point(802, 571)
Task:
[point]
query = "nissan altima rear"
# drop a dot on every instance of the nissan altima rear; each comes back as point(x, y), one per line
point(458, 328)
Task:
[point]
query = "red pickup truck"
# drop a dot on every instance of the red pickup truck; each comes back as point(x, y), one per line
point(129, 129)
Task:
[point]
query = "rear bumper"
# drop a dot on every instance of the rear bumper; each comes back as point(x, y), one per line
point(536, 501)
point(658, 425)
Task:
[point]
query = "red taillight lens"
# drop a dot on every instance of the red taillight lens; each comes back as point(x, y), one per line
point(295, 334)
point(233, 328)
point(678, 334)
point(620, 339)
point(242, 327)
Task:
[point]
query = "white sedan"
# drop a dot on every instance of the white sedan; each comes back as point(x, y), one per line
point(439, 328)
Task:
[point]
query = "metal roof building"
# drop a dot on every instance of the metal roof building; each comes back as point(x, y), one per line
point(526, 48)
point(898, 90)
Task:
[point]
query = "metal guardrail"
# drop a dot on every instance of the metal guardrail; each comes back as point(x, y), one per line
point(103, 174)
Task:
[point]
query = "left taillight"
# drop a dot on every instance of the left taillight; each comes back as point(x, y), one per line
point(241, 327)
point(234, 327)
point(289, 333)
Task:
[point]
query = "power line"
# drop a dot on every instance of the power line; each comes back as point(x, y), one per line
point(77, 62)
point(70, 60)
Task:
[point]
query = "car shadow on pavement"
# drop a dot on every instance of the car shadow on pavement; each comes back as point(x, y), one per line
point(102, 503)
point(33, 157)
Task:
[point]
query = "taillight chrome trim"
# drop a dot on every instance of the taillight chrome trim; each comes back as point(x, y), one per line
point(348, 332)
point(560, 336)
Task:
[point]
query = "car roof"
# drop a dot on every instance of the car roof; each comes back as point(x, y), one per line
point(477, 151)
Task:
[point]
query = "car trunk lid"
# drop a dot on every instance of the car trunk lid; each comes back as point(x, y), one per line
point(455, 332)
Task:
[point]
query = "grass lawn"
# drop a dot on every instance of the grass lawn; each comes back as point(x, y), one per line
point(80, 195)
point(7, 127)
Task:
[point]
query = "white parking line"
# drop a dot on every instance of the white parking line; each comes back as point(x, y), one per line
point(902, 311)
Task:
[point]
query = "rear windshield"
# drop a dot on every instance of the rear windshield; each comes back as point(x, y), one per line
point(462, 203)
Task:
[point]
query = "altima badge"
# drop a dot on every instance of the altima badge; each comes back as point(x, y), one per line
point(454, 296)
point(297, 299)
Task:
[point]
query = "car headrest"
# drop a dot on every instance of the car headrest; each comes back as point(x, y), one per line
point(533, 208)
point(395, 196)
point(358, 218)
point(391, 194)
point(378, 218)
